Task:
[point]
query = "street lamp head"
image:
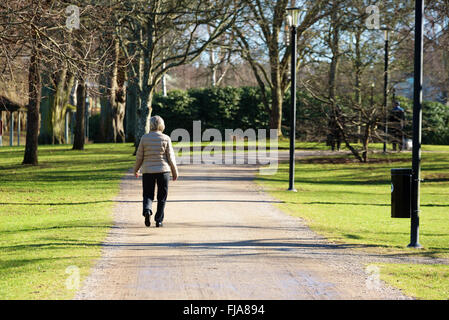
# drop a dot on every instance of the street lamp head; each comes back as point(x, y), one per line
point(289, 20)
point(387, 32)
point(294, 17)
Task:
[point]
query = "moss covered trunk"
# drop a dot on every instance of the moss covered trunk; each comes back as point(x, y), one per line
point(34, 84)
point(59, 106)
point(118, 94)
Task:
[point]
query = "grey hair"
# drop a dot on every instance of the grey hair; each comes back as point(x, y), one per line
point(157, 124)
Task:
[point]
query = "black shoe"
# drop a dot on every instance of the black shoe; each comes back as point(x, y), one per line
point(159, 224)
point(147, 218)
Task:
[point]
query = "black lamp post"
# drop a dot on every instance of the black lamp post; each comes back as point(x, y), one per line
point(387, 39)
point(293, 20)
point(417, 123)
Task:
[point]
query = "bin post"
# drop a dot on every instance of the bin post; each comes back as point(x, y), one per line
point(417, 123)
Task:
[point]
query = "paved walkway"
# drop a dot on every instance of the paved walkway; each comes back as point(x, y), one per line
point(223, 239)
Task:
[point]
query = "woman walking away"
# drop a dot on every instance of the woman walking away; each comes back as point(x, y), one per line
point(156, 157)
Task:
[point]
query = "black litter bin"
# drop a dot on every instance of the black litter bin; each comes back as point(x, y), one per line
point(401, 193)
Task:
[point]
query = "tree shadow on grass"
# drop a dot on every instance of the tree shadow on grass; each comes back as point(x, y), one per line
point(109, 174)
point(56, 228)
point(365, 204)
point(62, 163)
point(19, 263)
point(135, 201)
point(54, 203)
point(312, 181)
point(50, 245)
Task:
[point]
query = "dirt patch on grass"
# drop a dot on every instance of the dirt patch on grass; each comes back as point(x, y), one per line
point(436, 177)
point(346, 160)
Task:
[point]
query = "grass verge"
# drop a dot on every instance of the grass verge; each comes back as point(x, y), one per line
point(55, 215)
point(418, 280)
point(349, 202)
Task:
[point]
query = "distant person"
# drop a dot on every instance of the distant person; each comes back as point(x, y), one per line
point(396, 120)
point(334, 136)
point(156, 157)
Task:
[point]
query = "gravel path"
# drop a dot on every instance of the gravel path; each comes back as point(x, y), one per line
point(224, 239)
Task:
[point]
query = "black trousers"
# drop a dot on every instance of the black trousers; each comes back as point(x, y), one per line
point(149, 182)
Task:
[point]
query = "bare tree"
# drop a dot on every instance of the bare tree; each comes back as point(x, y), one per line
point(165, 35)
point(264, 30)
point(55, 56)
point(353, 113)
point(118, 92)
point(220, 55)
point(34, 81)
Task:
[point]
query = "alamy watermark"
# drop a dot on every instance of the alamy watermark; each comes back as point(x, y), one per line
point(212, 153)
point(73, 280)
point(373, 280)
point(373, 20)
point(73, 18)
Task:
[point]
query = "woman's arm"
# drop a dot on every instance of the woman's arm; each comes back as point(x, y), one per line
point(171, 160)
point(139, 158)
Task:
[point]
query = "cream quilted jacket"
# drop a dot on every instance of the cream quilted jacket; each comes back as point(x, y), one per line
point(155, 154)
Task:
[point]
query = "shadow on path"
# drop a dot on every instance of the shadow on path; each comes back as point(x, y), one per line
point(134, 201)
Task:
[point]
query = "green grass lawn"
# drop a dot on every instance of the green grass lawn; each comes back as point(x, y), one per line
point(423, 281)
point(283, 144)
point(349, 202)
point(55, 215)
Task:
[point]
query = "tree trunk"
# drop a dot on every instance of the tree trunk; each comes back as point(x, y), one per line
point(333, 69)
point(59, 107)
point(144, 113)
point(53, 108)
point(213, 67)
point(106, 134)
point(365, 142)
point(58, 104)
point(118, 116)
point(118, 94)
point(79, 140)
point(334, 133)
point(358, 75)
point(46, 130)
point(164, 82)
point(277, 93)
point(34, 83)
point(146, 92)
point(276, 110)
point(133, 98)
point(132, 101)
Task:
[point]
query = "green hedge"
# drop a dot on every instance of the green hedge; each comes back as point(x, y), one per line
point(435, 119)
point(233, 108)
point(219, 108)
